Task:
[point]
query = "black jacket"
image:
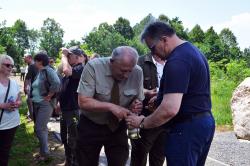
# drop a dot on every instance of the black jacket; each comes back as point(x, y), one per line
point(150, 80)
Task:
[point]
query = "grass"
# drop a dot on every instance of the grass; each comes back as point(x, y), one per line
point(221, 96)
point(25, 141)
point(25, 144)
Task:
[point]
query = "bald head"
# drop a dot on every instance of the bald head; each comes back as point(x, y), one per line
point(123, 60)
point(125, 53)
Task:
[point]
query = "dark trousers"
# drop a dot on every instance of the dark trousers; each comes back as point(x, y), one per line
point(151, 142)
point(6, 139)
point(68, 127)
point(92, 137)
point(188, 143)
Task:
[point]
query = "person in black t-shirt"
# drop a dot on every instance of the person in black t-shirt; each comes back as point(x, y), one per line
point(70, 71)
point(29, 78)
point(184, 100)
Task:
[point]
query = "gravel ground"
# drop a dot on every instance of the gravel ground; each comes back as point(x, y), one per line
point(226, 150)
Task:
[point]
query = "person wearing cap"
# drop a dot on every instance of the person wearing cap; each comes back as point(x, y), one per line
point(29, 78)
point(71, 69)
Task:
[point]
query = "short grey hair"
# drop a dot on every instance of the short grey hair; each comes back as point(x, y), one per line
point(118, 52)
point(4, 56)
point(156, 29)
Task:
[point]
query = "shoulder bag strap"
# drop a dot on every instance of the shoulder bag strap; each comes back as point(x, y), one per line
point(6, 96)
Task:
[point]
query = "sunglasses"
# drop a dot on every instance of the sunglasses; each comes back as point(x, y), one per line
point(8, 65)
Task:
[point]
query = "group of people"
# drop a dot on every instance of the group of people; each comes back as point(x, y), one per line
point(164, 95)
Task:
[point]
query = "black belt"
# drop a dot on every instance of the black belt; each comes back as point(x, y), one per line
point(188, 117)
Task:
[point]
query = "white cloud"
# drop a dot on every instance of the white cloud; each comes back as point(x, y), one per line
point(240, 26)
point(76, 20)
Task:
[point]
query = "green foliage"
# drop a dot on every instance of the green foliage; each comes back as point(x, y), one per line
point(196, 35)
point(123, 27)
point(34, 36)
point(21, 34)
point(138, 28)
point(73, 43)
point(2, 49)
point(104, 39)
point(51, 37)
point(225, 76)
point(237, 71)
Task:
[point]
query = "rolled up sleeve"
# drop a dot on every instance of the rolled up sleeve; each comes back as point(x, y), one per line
point(87, 82)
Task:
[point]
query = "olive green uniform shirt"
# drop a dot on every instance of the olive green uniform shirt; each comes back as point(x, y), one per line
point(97, 81)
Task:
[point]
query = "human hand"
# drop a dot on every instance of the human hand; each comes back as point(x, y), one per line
point(150, 93)
point(65, 51)
point(151, 104)
point(133, 120)
point(118, 111)
point(47, 98)
point(8, 106)
point(58, 108)
point(136, 106)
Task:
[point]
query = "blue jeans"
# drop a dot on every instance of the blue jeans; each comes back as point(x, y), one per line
point(42, 112)
point(188, 143)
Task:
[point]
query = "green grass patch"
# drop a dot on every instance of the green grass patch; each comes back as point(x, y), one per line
point(221, 96)
point(25, 141)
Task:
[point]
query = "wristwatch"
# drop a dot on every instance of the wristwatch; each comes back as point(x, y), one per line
point(141, 126)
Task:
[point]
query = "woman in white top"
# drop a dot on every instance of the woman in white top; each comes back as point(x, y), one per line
point(10, 101)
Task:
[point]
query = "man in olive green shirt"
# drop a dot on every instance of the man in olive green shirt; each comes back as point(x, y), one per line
point(102, 116)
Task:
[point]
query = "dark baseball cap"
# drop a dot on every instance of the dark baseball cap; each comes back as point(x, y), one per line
point(76, 50)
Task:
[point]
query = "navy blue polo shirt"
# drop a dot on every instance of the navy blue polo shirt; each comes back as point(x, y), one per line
point(68, 96)
point(186, 71)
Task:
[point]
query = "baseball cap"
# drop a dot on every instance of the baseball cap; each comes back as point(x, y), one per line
point(76, 50)
point(27, 55)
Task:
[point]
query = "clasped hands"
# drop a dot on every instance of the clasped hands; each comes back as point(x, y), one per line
point(11, 106)
point(131, 114)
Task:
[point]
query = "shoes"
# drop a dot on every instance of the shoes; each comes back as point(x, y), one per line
point(63, 164)
point(39, 158)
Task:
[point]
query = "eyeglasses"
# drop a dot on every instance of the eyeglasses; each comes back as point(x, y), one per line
point(8, 65)
point(152, 48)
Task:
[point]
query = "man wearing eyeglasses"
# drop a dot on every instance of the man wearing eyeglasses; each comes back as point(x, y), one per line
point(184, 101)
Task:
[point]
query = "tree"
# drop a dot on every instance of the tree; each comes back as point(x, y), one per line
point(139, 27)
point(179, 28)
point(34, 37)
point(229, 43)
point(104, 39)
point(73, 43)
point(213, 44)
point(196, 35)
point(7, 41)
point(123, 27)
point(51, 37)
point(21, 34)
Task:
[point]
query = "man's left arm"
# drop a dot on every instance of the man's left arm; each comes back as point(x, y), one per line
point(168, 109)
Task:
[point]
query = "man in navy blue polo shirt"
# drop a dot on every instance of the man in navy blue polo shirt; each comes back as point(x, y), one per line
point(184, 101)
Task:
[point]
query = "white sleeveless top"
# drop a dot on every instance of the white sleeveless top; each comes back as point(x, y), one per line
point(10, 119)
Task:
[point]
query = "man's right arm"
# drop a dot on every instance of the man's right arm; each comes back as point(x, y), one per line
point(67, 69)
point(86, 91)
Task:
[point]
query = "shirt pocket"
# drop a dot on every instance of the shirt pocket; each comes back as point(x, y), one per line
point(128, 96)
point(103, 93)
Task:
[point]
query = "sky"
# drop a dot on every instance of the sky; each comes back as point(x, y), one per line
point(79, 17)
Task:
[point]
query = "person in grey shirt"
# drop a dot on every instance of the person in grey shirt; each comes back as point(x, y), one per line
point(110, 89)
